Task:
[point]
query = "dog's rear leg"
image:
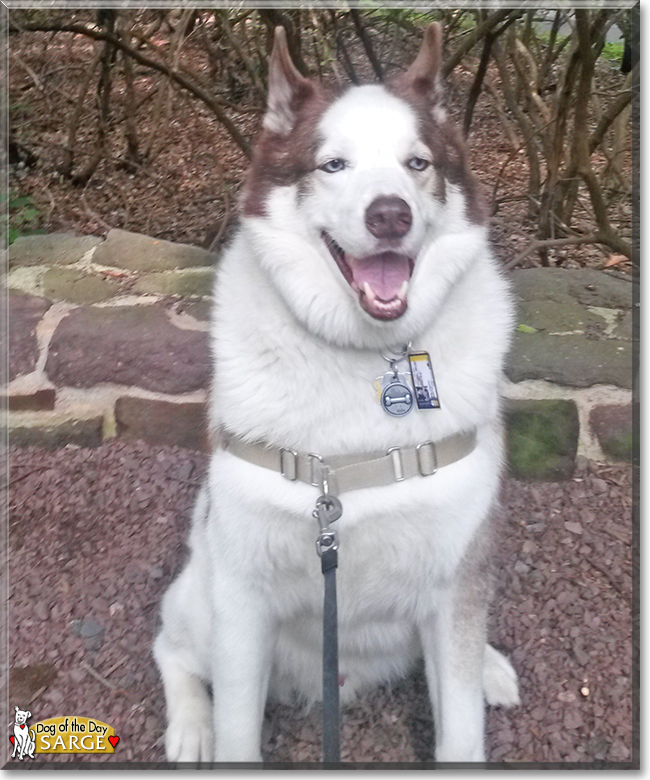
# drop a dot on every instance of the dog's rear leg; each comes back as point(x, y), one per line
point(242, 647)
point(499, 679)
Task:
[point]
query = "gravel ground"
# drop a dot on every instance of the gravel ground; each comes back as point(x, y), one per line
point(97, 534)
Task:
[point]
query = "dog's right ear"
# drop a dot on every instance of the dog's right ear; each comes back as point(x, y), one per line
point(288, 88)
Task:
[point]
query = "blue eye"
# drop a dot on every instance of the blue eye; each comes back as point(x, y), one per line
point(333, 166)
point(418, 163)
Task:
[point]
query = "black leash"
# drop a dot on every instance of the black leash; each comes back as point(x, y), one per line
point(328, 509)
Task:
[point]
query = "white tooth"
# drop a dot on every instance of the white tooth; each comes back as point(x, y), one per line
point(403, 289)
point(370, 294)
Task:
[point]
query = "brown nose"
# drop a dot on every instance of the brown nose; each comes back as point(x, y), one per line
point(388, 217)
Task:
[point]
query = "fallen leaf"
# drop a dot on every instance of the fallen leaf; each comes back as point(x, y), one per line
point(614, 260)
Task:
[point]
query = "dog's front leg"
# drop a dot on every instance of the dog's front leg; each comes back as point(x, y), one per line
point(243, 641)
point(454, 643)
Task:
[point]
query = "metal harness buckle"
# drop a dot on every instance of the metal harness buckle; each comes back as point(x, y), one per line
point(434, 458)
point(289, 468)
point(312, 476)
point(396, 455)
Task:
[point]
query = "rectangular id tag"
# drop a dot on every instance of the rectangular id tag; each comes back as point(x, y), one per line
point(426, 392)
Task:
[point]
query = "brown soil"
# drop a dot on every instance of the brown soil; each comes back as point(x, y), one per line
point(188, 186)
point(97, 534)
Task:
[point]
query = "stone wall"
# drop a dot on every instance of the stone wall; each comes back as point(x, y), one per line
point(110, 338)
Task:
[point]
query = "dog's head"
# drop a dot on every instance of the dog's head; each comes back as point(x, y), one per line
point(360, 203)
point(22, 716)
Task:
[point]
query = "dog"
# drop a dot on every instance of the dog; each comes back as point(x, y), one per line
point(362, 230)
point(24, 737)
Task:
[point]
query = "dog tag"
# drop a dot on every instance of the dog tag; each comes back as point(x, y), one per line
point(426, 392)
point(397, 399)
point(382, 382)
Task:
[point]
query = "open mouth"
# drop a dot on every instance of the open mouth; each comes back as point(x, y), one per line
point(381, 281)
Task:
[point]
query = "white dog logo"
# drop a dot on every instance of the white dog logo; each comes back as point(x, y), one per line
point(23, 738)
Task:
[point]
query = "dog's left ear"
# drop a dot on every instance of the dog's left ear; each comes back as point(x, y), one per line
point(288, 88)
point(423, 77)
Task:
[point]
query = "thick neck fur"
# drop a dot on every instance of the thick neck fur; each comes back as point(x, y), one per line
point(271, 370)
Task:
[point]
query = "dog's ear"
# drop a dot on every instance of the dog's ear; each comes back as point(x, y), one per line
point(28, 714)
point(287, 87)
point(423, 76)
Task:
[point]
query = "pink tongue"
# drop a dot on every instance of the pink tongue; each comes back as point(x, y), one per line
point(385, 273)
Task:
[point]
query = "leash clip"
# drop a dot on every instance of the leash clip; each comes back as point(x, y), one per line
point(328, 510)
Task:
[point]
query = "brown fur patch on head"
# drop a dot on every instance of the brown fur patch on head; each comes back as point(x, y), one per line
point(447, 147)
point(283, 160)
point(421, 88)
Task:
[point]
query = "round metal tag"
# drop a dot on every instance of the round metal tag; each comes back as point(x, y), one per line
point(397, 399)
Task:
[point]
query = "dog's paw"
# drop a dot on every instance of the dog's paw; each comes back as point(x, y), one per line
point(190, 739)
point(500, 684)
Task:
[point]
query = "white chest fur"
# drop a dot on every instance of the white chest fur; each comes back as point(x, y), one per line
point(277, 383)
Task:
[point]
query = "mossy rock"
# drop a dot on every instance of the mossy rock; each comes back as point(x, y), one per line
point(542, 439)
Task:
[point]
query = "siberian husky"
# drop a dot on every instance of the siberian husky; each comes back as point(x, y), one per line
point(362, 230)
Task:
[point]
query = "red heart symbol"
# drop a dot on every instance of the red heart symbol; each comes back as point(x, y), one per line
point(12, 739)
point(114, 740)
point(22, 726)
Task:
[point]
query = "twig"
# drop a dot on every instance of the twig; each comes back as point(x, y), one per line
point(224, 223)
point(31, 73)
point(52, 202)
point(115, 666)
point(27, 474)
point(38, 693)
point(603, 570)
point(92, 213)
point(191, 483)
point(104, 681)
point(553, 242)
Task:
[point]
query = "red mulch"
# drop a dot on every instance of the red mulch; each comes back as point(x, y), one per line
point(96, 535)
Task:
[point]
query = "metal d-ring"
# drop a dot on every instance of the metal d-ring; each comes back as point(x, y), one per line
point(396, 357)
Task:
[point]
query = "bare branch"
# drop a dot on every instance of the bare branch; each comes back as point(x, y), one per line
point(367, 44)
point(614, 109)
point(474, 37)
point(162, 67)
point(536, 245)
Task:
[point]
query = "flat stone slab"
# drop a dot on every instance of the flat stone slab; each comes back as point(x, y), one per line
point(143, 253)
point(587, 286)
point(200, 310)
point(162, 422)
point(187, 282)
point(574, 361)
point(561, 319)
point(542, 439)
point(25, 312)
point(574, 328)
point(68, 284)
point(37, 400)
point(52, 249)
point(128, 345)
point(54, 429)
